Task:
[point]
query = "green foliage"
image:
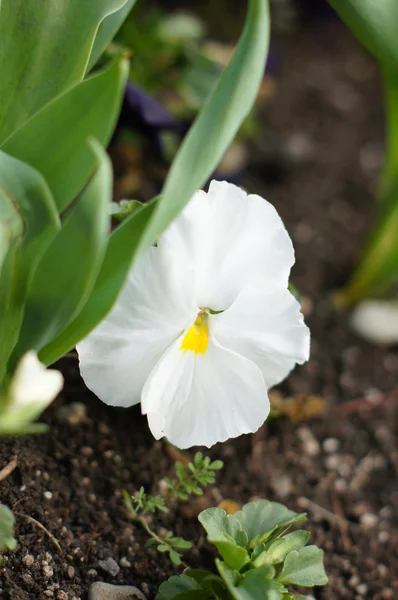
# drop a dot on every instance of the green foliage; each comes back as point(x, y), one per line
point(375, 24)
point(217, 123)
point(191, 479)
point(197, 158)
point(188, 481)
point(56, 140)
point(170, 544)
point(7, 520)
point(259, 557)
point(45, 47)
point(143, 504)
point(74, 255)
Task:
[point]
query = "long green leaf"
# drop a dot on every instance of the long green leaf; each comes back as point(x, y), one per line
point(68, 270)
point(217, 123)
point(11, 226)
point(375, 23)
point(55, 140)
point(45, 47)
point(107, 31)
point(120, 252)
point(201, 151)
point(377, 271)
point(34, 203)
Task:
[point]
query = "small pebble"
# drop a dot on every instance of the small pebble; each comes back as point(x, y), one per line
point(362, 589)
point(92, 573)
point(354, 581)
point(48, 571)
point(61, 595)
point(311, 445)
point(383, 537)
point(109, 565)
point(48, 495)
point(28, 560)
point(74, 413)
point(369, 520)
point(71, 572)
point(106, 591)
point(330, 445)
point(124, 562)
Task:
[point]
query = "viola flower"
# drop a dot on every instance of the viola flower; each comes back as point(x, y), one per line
point(205, 323)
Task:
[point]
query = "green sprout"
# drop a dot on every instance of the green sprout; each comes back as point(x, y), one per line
point(188, 481)
point(259, 557)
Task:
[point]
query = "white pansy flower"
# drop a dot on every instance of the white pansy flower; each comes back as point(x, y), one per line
point(205, 323)
point(32, 388)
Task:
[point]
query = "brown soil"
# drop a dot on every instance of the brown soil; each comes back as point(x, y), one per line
point(318, 163)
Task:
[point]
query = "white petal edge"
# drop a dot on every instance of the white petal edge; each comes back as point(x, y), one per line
point(229, 237)
point(199, 400)
point(265, 325)
point(152, 310)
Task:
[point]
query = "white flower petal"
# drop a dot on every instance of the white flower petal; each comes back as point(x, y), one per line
point(152, 310)
point(33, 385)
point(229, 238)
point(201, 399)
point(265, 325)
point(377, 321)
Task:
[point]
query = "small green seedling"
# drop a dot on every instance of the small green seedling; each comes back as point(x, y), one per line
point(260, 559)
point(188, 481)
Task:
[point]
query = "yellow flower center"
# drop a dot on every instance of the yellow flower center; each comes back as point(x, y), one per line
point(196, 338)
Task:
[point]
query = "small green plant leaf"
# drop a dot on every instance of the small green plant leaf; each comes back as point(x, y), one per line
point(255, 584)
point(217, 523)
point(279, 548)
point(45, 47)
point(374, 22)
point(262, 518)
point(182, 587)
point(304, 567)
point(71, 263)
point(56, 140)
point(7, 522)
point(107, 30)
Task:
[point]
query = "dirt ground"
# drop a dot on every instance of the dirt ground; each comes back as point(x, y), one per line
point(317, 161)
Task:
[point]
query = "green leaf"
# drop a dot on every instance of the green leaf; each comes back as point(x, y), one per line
point(11, 225)
point(261, 517)
point(121, 250)
point(68, 269)
point(55, 140)
point(7, 522)
point(45, 47)
point(255, 584)
point(107, 31)
point(375, 23)
point(234, 556)
point(281, 547)
point(182, 587)
point(377, 271)
point(304, 567)
point(217, 123)
point(202, 149)
point(217, 523)
point(33, 201)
